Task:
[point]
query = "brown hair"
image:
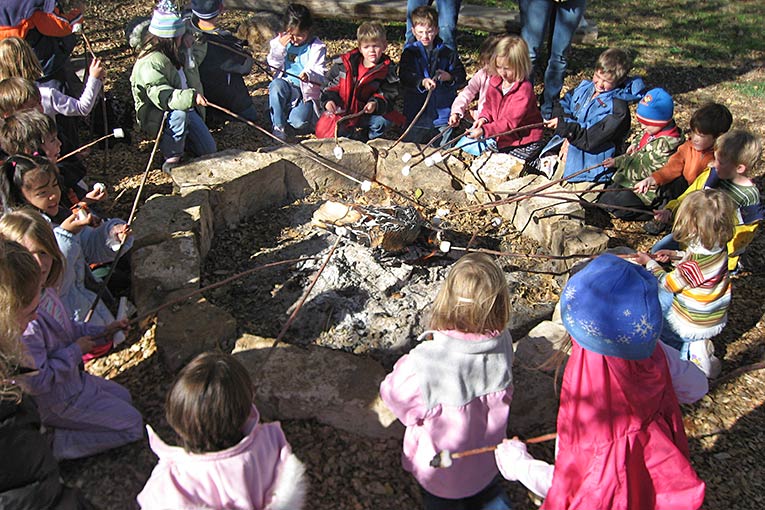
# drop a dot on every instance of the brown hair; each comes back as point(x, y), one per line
point(371, 31)
point(15, 92)
point(14, 172)
point(739, 147)
point(210, 402)
point(28, 223)
point(711, 119)
point(474, 298)
point(19, 286)
point(614, 62)
point(18, 59)
point(424, 15)
point(23, 132)
point(486, 52)
point(513, 49)
point(707, 217)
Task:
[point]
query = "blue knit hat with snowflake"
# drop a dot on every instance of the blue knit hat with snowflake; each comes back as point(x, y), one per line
point(656, 108)
point(166, 22)
point(611, 307)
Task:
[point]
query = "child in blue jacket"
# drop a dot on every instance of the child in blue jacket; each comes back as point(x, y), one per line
point(592, 121)
point(427, 64)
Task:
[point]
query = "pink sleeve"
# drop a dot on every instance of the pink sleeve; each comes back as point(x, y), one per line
point(400, 391)
point(469, 93)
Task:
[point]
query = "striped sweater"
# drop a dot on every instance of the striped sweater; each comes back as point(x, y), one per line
point(702, 290)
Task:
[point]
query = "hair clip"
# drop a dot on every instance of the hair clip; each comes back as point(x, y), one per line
point(13, 163)
point(461, 299)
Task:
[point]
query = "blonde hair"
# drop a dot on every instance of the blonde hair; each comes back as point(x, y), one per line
point(474, 298)
point(27, 223)
point(371, 31)
point(19, 286)
point(515, 50)
point(15, 92)
point(424, 15)
point(740, 148)
point(18, 59)
point(616, 63)
point(706, 217)
point(23, 132)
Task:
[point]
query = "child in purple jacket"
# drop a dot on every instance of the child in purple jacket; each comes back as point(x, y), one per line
point(453, 392)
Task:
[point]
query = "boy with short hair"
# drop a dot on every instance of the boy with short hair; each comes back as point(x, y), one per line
point(364, 79)
point(226, 61)
point(693, 157)
point(428, 64)
point(592, 121)
point(661, 138)
point(736, 154)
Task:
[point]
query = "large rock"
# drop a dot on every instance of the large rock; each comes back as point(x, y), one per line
point(240, 183)
point(314, 165)
point(491, 170)
point(260, 28)
point(189, 328)
point(333, 387)
point(161, 268)
point(442, 178)
point(165, 216)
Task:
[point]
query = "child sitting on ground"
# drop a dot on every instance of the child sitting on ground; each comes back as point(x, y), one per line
point(166, 87)
point(476, 86)
point(227, 459)
point(661, 138)
point(454, 391)
point(510, 104)
point(592, 121)
point(17, 94)
point(88, 414)
point(429, 65)
point(364, 79)
point(736, 154)
point(693, 157)
point(695, 296)
point(293, 95)
point(621, 440)
point(226, 61)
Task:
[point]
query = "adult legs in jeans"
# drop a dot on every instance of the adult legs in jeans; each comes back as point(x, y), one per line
point(448, 12)
point(182, 127)
point(281, 96)
point(535, 18)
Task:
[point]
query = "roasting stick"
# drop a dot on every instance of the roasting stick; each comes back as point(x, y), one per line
point(105, 282)
point(204, 289)
point(436, 157)
point(338, 151)
point(585, 203)
point(411, 124)
point(300, 303)
point(116, 133)
point(365, 185)
point(444, 458)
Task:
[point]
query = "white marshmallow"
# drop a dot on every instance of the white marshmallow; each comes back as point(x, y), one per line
point(445, 246)
point(118, 133)
point(99, 187)
point(338, 152)
point(407, 157)
point(366, 186)
point(470, 189)
point(406, 170)
point(429, 161)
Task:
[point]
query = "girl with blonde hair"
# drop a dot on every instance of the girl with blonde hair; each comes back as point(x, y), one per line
point(454, 392)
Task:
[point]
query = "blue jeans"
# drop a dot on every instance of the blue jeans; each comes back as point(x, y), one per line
point(288, 107)
point(476, 148)
point(448, 11)
point(493, 497)
point(535, 18)
point(375, 125)
point(186, 129)
point(665, 243)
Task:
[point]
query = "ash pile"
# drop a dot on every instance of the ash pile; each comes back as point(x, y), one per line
point(373, 297)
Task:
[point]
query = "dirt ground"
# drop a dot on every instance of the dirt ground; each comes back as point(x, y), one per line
point(726, 428)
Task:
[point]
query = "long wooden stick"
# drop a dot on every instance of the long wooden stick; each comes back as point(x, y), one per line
point(485, 449)
point(510, 254)
point(345, 118)
point(414, 121)
point(585, 203)
point(113, 266)
point(80, 149)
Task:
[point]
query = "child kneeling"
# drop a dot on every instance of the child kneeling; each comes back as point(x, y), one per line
point(227, 459)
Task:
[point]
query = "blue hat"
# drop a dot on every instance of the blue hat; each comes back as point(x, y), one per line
point(656, 108)
point(166, 21)
point(611, 307)
point(206, 9)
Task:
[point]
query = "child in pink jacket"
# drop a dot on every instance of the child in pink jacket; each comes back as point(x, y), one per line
point(476, 87)
point(454, 392)
point(227, 458)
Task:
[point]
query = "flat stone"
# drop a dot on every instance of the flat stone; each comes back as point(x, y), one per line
point(306, 173)
point(333, 387)
point(190, 328)
point(161, 268)
point(439, 179)
point(491, 170)
point(241, 183)
point(165, 216)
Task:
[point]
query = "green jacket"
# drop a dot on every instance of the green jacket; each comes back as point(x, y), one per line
point(633, 168)
point(156, 87)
